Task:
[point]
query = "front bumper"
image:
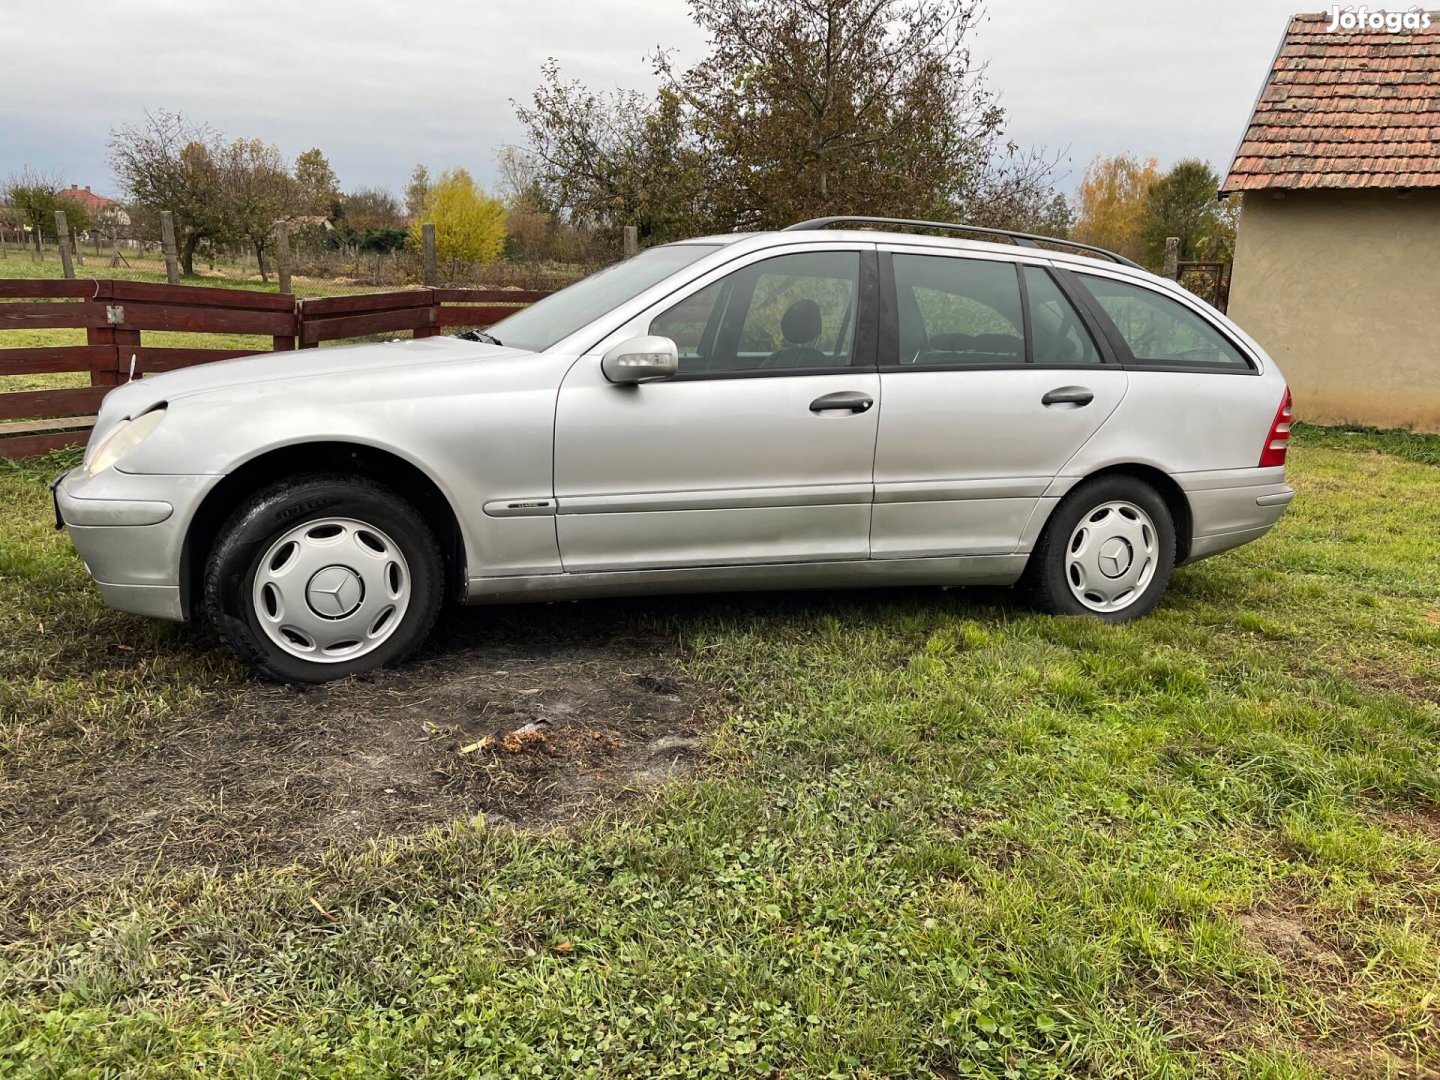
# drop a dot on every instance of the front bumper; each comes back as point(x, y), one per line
point(130, 530)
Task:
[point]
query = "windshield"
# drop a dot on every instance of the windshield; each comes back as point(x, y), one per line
point(542, 324)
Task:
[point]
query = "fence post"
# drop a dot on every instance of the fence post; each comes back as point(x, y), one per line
point(632, 241)
point(282, 256)
point(62, 238)
point(1172, 257)
point(167, 245)
point(105, 370)
point(427, 240)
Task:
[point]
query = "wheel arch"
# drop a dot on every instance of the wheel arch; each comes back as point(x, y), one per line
point(1165, 486)
point(357, 459)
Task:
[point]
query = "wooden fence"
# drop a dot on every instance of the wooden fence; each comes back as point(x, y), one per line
point(116, 316)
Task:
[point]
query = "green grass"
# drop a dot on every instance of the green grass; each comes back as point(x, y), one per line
point(939, 835)
point(152, 268)
point(1402, 444)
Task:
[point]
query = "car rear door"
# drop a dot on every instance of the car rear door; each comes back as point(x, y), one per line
point(991, 381)
point(760, 451)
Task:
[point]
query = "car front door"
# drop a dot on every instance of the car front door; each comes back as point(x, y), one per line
point(760, 450)
point(991, 382)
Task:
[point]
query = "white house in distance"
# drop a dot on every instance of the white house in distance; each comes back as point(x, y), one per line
point(104, 211)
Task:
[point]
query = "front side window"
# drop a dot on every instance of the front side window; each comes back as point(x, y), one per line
point(789, 313)
point(1160, 330)
point(958, 312)
point(555, 318)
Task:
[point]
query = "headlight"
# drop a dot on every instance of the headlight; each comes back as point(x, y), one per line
point(121, 439)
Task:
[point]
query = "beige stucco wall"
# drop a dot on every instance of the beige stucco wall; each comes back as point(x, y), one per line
point(1343, 290)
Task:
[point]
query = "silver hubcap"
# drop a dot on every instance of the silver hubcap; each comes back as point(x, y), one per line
point(1111, 558)
point(331, 590)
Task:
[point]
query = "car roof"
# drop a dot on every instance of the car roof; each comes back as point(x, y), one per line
point(785, 237)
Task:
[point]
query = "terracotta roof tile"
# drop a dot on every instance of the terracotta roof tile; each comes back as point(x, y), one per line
point(1352, 109)
point(92, 202)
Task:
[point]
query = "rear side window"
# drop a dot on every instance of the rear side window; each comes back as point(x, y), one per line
point(958, 312)
point(1162, 331)
point(1058, 334)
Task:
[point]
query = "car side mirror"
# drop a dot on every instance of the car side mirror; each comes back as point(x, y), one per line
point(641, 360)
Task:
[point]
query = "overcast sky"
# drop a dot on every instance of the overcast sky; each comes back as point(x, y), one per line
point(380, 86)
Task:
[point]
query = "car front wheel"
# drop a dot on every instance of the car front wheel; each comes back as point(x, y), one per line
point(321, 577)
point(1107, 551)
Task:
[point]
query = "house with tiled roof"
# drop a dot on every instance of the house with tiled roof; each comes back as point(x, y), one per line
point(1337, 261)
point(102, 209)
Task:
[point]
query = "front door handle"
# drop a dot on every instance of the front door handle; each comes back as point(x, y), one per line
point(853, 401)
point(1079, 396)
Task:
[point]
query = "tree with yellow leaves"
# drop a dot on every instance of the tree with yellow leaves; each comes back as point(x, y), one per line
point(469, 225)
point(1112, 203)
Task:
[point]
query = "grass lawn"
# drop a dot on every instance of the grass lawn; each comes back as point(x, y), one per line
point(151, 267)
point(934, 835)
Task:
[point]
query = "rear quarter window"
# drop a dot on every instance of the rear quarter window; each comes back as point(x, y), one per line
point(1161, 331)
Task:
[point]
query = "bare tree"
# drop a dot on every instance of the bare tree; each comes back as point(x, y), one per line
point(417, 191)
point(518, 179)
point(33, 199)
point(609, 160)
point(169, 163)
point(1011, 188)
point(371, 209)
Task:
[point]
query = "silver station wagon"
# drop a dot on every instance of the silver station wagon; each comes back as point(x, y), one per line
point(841, 403)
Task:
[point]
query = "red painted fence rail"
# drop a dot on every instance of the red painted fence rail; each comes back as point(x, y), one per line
point(116, 316)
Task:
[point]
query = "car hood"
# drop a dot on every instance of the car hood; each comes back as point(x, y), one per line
point(276, 367)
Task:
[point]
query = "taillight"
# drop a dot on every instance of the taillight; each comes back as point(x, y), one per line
point(1278, 440)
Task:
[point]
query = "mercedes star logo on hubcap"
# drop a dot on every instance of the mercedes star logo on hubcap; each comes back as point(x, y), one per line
point(1114, 557)
point(334, 592)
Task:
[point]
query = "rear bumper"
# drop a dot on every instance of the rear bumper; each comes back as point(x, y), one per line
point(1232, 508)
point(130, 530)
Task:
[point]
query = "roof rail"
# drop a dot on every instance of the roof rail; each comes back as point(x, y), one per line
point(1021, 239)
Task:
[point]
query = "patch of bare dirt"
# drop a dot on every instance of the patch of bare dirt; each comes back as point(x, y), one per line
point(530, 733)
point(1412, 685)
point(1287, 937)
point(1221, 1021)
point(1221, 1025)
point(1359, 1043)
point(1424, 820)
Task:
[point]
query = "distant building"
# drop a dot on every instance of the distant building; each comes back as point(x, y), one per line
point(1337, 264)
point(105, 212)
point(312, 221)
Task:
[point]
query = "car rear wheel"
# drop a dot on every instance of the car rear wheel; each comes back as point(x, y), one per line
point(1107, 551)
point(321, 577)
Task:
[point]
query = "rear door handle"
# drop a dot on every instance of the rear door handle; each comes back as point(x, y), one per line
point(1079, 396)
point(854, 401)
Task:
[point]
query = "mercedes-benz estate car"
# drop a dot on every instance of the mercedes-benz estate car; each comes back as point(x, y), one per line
point(841, 403)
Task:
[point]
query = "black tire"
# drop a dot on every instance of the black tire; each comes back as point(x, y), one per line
point(1046, 579)
point(271, 513)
